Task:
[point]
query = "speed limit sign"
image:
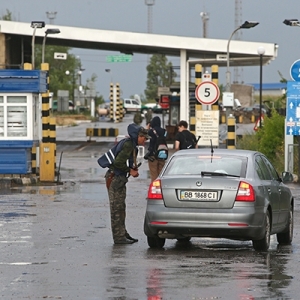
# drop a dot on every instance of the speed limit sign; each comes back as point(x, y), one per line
point(207, 92)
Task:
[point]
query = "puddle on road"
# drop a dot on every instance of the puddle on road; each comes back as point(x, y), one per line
point(23, 263)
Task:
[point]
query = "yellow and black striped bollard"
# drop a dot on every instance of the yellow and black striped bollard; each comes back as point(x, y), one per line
point(231, 132)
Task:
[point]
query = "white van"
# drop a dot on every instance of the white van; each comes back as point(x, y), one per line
point(131, 105)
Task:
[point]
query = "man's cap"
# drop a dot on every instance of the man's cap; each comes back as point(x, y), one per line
point(144, 132)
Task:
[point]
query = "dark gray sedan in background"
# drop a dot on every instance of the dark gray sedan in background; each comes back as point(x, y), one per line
point(222, 193)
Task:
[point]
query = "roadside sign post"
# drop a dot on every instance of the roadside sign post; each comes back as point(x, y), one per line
point(295, 70)
point(207, 121)
point(258, 123)
point(292, 121)
point(207, 126)
point(207, 93)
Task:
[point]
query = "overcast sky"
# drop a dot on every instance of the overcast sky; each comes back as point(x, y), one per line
point(171, 17)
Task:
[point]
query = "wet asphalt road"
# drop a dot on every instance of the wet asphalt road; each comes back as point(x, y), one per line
point(56, 243)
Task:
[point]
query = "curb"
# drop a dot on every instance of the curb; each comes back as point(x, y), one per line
point(6, 183)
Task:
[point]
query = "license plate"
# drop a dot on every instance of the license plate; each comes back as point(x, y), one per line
point(198, 196)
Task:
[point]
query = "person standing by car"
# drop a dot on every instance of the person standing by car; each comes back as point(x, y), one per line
point(184, 139)
point(155, 131)
point(137, 119)
point(120, 172)
point(148, 117)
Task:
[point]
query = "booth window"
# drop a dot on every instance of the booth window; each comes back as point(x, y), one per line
point(13, 116)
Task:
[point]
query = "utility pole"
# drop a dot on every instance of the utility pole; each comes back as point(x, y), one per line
point(150, 4)
point(205, 17)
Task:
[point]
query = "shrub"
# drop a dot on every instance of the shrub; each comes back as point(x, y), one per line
point(268, 140)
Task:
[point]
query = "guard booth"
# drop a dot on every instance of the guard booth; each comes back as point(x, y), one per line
point(20, 118)
point(174, 109)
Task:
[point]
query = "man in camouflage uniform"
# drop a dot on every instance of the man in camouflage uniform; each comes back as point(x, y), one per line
point(148, 117)
point(138, 119)
point(117, 188)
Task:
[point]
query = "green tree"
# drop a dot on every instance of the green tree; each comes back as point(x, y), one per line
point(160, 74)
point(7, 17)
point(58, 79)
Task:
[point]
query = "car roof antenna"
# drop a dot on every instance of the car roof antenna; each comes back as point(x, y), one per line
point(212, 150)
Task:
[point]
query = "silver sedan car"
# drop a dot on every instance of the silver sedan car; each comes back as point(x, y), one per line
point(222, 193)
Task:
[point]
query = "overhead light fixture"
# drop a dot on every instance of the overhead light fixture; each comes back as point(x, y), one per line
point(52, 31)
point(249, 24)
point(48, 31)
point(291, 22)
point(38, 24)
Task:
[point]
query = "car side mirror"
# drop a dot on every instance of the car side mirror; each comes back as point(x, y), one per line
point(288, 177)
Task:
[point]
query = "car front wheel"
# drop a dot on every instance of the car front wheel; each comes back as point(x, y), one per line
point(264, 243)
point(286, 237)
point(155, 242)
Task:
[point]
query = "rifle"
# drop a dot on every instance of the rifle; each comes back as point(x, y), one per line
point(199, 137)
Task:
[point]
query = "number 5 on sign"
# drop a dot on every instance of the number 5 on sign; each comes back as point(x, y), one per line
point(207, 93)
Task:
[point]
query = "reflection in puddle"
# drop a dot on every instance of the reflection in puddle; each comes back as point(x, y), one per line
point(23, 263)
point(33, 190)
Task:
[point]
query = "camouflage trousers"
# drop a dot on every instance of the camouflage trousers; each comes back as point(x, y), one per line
point(117, 196)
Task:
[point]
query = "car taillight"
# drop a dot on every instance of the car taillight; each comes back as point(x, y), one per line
point(154, 191)
point(245, 192)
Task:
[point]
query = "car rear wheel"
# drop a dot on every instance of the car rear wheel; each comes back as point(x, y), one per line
point(155, 242)
point(264, 243)
point(286, 237)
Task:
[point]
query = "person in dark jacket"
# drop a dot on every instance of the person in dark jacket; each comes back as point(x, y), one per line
point(184, 139)
point(155, 165)
point(120, 172)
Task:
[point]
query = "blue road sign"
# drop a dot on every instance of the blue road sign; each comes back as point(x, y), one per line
point(295, 70)
point(293, 108)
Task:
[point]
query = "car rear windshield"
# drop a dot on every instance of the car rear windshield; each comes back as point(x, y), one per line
point(197, 164)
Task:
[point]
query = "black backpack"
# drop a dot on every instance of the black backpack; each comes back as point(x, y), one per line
point(108, 158)
point(161, 151)
point(188, 141)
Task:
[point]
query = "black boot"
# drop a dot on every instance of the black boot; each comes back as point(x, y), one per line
point(127, 235)
point(123, 241)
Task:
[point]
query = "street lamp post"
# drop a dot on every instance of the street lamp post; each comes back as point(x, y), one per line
point(48, 31)
point(35, 25)
point(80, 89)
point(73, 85)
point(245, 25)
point(261, 52)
